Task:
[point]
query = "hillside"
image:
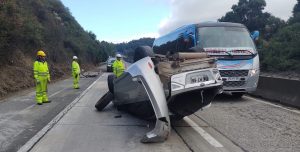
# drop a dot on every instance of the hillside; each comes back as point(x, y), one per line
point(29, 25)
point(129, 47)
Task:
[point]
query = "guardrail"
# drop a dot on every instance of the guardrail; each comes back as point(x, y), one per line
point(280, 90)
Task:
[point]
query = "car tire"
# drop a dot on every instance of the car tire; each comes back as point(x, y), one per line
point(104, 101)
point(110, 83)
point(142, 52)
point(238, 94)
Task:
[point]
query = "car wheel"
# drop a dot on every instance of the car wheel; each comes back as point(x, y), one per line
point(104, 101)
point(141, 52)
point(110, 83)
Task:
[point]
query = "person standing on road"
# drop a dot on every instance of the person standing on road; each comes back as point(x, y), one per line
point(118, 66)
point(75, 72)
point(42, 77)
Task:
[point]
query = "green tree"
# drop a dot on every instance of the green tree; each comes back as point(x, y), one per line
point(29, 25)
point(283, 53)
point(296, 13)
point(250, 13)
point(92, 35)
point(273, 24)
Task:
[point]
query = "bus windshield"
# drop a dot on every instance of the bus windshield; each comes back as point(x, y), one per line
point(224, 37)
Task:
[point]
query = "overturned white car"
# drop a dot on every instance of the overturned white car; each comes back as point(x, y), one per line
point(164, 86)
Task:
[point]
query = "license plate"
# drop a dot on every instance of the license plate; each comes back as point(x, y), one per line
point(233, 79)
point(198, 79)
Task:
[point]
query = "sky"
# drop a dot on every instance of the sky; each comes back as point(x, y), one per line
point(124, 20)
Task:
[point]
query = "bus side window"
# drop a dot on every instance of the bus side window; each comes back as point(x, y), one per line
point(191, 40)
point(184, 42)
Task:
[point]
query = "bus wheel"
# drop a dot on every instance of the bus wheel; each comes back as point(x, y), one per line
point(141, 52)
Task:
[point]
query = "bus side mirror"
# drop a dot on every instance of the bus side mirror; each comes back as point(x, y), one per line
point(255, 35)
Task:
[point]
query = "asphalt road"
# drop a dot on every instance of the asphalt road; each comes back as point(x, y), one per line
point(21, 118)
point(255, 125)
point(229, 125)
point(85, 129)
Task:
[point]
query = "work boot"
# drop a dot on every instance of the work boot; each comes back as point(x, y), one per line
point(47, 101)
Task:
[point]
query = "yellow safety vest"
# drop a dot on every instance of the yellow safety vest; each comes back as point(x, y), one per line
point(40, 70)
point(118, 68)
point(75, 68)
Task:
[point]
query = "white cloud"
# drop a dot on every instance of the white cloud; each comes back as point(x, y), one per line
point(281, 8)
point(194, 11)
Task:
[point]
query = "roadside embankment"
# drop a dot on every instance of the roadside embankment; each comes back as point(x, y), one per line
point(19, 76)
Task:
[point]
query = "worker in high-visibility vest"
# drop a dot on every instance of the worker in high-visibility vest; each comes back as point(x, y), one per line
point(118, 66)
point(75, 72)
point(42, 77)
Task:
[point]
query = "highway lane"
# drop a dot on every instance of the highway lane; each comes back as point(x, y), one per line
point(229, 125)
point(21, 118)
point(254, 124)
point(85, 129)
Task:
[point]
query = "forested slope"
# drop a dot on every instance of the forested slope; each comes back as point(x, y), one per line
point(29, 25)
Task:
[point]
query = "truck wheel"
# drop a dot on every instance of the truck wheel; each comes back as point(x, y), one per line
point(110, 83)
point(141, 52)
point(238, 94)
point(104, 101)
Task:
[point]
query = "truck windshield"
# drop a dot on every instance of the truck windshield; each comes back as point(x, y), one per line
point(224, 37)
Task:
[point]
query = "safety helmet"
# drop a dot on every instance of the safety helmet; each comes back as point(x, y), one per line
point(75, 58)
point(41, 53)
point(118, 55)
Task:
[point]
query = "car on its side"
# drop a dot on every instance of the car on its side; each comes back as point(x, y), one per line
point(109, 64)
point(162, 87)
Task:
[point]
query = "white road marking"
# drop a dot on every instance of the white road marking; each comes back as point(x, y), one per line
point(29, 107)
point(29, 144)
point(271, 104)
point(203, 133)
point(57, 92)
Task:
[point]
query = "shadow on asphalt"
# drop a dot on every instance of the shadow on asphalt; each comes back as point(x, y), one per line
point(228, 98)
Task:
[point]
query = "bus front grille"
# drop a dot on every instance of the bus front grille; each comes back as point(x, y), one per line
point(234, 83)
point(234, 73)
